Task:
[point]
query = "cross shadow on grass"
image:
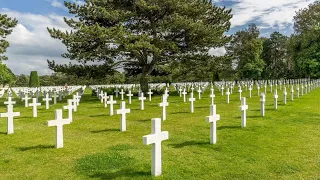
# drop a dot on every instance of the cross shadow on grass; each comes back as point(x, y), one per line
point(4, 133)
point(99, 115)
point(105, 130)
point(228, 127)
point(183, 112)
point(112, 164)
point(189, 143)
point(143, 120)
point(36, 147)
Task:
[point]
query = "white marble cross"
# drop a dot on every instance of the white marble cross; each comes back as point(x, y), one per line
point(243, 109)
point(250, 89)
point(222, 88)
point(258, 90)
point(122, 93)
point(228, 94)
point(212, 96)
point(69, 107)
point(191, 99)
point(102, 98)
point(101, 94)
point(55, 97)
point(163, 104)
point(26, 98)
point(141, 99)
point(78, 97)
point(180, 91)
point(298, 91)
point(123, 111)
point(184, 95)
point(129, 96)
point(9, 102)
point(105, 99)
point(199, 93)
point(275, 97)
point(284, 95)
point(149, 93)
point(262, 104)
point(47, 99)
point(10, 115)
point(155, 138)
point(58, 122)
point(212, 119)
point(34, 105)
point(111, 102)
point(74, 100)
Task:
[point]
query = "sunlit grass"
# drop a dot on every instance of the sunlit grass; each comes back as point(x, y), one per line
point(285, 144)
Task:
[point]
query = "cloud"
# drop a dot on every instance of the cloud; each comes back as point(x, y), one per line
point(221, 51)
point(271, 13)
point(31, 44)
point(57, 4)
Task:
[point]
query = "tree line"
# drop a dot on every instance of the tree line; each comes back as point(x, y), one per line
point(169, 40)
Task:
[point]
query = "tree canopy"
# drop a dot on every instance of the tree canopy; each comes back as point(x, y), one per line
point(141, 34)
point(6, 26)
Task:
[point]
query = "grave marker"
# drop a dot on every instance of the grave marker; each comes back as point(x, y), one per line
point(34, 105)
point(243, 109)
point(69, 107)
point(191, 99)
point(141, 99)
point(163, 104)
point(111, 102)
point(123, 111)
point(262, 104)
point(155, 138)
point(58, 122)
point(212, 119)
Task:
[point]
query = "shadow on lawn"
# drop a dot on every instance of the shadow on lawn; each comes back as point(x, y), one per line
point(228, 127)
point(109, 165)
point(99, 115)
point(183, 112)
point(105, 130)
point(188, 143)
point(36, 147)
point(143, 120)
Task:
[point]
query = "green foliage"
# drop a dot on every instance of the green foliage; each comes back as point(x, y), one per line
point(275, 57)
point(22, 81)
point(125, 33)
point(304, 45)
point(6, 76)
point(6, 26)
point(245, 48)
point(34, 79)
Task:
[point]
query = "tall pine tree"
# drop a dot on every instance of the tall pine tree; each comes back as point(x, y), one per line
point(140, 34)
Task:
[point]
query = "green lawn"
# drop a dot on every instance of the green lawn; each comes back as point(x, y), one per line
point(285, 144)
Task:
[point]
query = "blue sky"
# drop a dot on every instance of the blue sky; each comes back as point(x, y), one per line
point(31, 45)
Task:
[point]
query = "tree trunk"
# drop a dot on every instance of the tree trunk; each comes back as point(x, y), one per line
point(144, 83)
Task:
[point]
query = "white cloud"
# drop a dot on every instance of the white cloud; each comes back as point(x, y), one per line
point(57, 4)
point(270, 13)
point(31, 44)
point(217, 51)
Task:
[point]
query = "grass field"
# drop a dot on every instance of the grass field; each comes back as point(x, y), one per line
point(285, 144)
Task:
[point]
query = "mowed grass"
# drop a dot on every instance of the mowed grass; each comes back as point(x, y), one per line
point(285, 144)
